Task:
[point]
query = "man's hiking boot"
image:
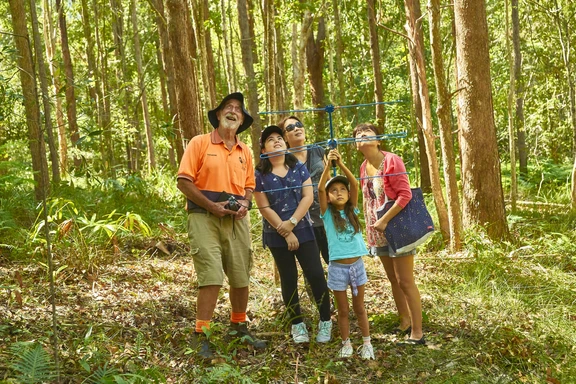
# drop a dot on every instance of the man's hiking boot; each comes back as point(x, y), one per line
point(202, 345)
point(242, 332)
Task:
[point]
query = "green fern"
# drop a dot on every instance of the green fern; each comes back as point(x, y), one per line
point(102, 375)
point(32, 363)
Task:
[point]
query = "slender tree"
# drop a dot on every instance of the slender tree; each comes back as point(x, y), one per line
point(376, 70)
point(55, 164)
point(142, 89)
point(185, 87)
point(511, 94)
point(70, 84)
point(29, 92)
point(443, 111)
point(247, 40)
point(413, 28)
point(519, 91)
point(49, 38)
point(315, 59)
point(483, 202)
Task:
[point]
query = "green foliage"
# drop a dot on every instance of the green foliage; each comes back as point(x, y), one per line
point(32, 363)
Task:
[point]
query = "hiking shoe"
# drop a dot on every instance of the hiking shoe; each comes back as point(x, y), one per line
point(243, 333)
point(346, 351)
point(366, 352)
point(300, 333)
point(324, 331)
point(201, 343)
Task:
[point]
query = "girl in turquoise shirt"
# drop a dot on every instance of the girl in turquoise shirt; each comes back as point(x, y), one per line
point(338, 198)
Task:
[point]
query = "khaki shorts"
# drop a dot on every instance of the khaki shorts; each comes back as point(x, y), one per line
point(218, 247)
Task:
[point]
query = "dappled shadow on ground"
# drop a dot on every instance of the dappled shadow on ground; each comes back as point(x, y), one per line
point(137, 315)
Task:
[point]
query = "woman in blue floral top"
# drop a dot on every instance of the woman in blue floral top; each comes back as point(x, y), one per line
point(284, 195)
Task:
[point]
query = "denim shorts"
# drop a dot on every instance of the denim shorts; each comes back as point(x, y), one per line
point(387, 251)
point(340, 276)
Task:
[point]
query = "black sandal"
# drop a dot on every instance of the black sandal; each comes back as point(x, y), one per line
point(401, 332)
point(407, 342)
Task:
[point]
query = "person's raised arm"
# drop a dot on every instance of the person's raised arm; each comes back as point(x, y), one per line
point(322, 199)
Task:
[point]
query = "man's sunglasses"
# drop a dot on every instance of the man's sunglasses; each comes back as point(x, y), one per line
point(291, 127)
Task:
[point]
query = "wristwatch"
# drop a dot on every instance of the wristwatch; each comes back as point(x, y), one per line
point(293, 221)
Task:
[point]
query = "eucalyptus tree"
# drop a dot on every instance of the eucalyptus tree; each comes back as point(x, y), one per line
point(142, 88)
point(30, 98)
point(46, 102)
point(184, 71)
point(247, 42)
point(483, 200)
point(50, 45)
point(519, 91)
point(414, 28)
point(70, 84)
point(443, 111)
point(377, 72)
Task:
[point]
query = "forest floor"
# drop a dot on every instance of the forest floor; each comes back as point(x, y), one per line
point(490, 316)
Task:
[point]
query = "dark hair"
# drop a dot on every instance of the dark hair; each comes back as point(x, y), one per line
point(265, 166)
point(364, 126)
point(340, 222)
point(282, 123)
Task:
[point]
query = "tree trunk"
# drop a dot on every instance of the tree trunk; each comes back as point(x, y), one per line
point(29, 92)
point(341, 98)
point(482, 186)
point(107, 146)
point(413, 28)
point(510, 103)
point(209, 59)
point(299, 57)
point(196, 67)
point(227, 49)
point(247, 42)
point(375, 51)
point(55, 164)
point(315, 65)
point(183, 68)
point(142, 90)
point(49, 37)
point(519, 91)
point(268, 20)
point(443, 112)
point(425, 182)
point(123, 79)
point(282, 86)
point(168, 65)
point(69, 71)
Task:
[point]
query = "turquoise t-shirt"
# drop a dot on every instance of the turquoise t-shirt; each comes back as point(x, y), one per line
point(346, 244)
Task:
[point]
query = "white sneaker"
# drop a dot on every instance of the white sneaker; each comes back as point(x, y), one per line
point(366, 352)
point(300, 333)
point(324, 331)
point(346, 351)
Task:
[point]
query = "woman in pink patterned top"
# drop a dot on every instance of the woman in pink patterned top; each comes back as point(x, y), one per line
point(383, 177)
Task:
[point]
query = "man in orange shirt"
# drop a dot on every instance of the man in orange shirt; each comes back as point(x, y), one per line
point(217, 176)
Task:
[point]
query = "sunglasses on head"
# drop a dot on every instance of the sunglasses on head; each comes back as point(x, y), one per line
point(291, 127)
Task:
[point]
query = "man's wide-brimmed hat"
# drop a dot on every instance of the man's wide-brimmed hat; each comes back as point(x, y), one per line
point(247, 118)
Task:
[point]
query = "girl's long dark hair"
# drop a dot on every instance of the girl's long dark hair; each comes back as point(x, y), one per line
point(340, 222)
point(265, 166)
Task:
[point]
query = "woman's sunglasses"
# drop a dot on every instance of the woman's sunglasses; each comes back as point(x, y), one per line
point(291, 127)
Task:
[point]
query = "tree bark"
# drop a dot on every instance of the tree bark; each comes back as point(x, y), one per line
point(183, 68)
point(375, 51)
point(315, 64)
point(227, 49)
point(413, 28)
point(168, 65)
point(510, 103)
point(49, 37)
point(29, 92)
point(299, 57)
point(247, 42)
point(443, 111)
point(481, 179)
point(55, 164)
point(519, 92)
point(142, 89)
point(282, 86)
point(107, 147)
point(268, 20)
point(69, 71)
